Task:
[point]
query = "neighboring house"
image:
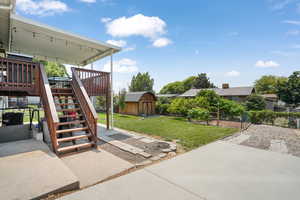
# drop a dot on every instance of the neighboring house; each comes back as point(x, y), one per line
point(139, 103)
point(271, 101)
point(15, 102)
point(235, 93)
point(167, 95)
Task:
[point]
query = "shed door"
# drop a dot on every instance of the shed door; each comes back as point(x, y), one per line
point(147, 108)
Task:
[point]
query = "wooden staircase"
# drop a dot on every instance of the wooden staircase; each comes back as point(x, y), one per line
point(73, 133)
point(70, 115)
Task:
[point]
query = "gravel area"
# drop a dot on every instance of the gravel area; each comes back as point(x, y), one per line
point(273, 138)
point(134, 159)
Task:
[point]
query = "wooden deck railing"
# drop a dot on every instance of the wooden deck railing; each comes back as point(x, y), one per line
point(19, 76)
point(85, 104)
point(96, 83)
point(49, 107)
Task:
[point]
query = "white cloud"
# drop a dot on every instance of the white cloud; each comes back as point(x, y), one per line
point(266, 64)
point(124, 65)
point(42, 8)
point(294, 22)
point(88, 1)
point(122, 44)
point(138, 25)
point(280, 4)
point(293, 32)
point(161, 42)
point(296, 46)
point(105, 19)
point(233, 73)
point(129, 48)
point(119, 43)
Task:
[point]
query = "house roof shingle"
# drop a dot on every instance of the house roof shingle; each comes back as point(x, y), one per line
point(234, 91)
point(167, 95)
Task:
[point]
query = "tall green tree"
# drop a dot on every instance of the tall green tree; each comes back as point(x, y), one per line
point(255, 102)
point(173, 88)
point(289, 92)
point(268, 84)
point(54, 69)
point(202, 81)
point(121, 100)
point(141, 82)
point(189, 82)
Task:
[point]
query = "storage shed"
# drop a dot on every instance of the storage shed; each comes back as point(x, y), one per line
point(139, 103)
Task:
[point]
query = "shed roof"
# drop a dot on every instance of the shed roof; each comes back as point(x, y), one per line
point(234, 91)
point(24, 36)
point(135, 96)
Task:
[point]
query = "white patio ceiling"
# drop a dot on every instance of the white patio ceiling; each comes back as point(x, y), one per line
point(48, 43)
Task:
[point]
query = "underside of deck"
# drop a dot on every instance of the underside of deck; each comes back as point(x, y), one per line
point(70, 115)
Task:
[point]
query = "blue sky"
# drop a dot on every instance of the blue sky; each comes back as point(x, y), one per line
point(234, 41)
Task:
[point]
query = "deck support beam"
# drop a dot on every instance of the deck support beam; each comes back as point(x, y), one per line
point(112, 92)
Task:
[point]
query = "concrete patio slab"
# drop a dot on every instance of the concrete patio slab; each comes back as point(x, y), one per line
point(28, 170)
point(140, 185)
point(232, 172)
point(95, 165)
point(218, 171)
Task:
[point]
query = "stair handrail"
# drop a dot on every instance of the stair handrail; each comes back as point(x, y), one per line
point(85, 103)
point(49, 107)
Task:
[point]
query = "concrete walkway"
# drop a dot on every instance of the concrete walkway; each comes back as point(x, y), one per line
point(95, 165)
point(29, 170)
point(218, 171)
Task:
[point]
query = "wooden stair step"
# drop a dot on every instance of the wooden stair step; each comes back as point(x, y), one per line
point(77, 146)
point(64, 116)
point(67, 104)
point(65, 97)
point(77, 137)
point(68, 110)
point(68, 89)
point(71, 130)
point(72, 122)
point(62, 94)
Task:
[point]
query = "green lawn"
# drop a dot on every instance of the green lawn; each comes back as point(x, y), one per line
point(190, 135)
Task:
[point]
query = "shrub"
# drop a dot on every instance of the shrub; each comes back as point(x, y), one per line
point(212, 97)
point(161, 108)
point(229, 108)
point(268, 116)
point(178, 106)
point(162, 105)
point(200, 102)
point(181, 106)
point(199, 114)
point(255, 102)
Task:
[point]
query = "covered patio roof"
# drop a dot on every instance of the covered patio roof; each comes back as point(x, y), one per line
point(24, 36)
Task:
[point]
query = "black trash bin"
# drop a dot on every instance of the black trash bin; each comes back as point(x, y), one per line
point(11, 118)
